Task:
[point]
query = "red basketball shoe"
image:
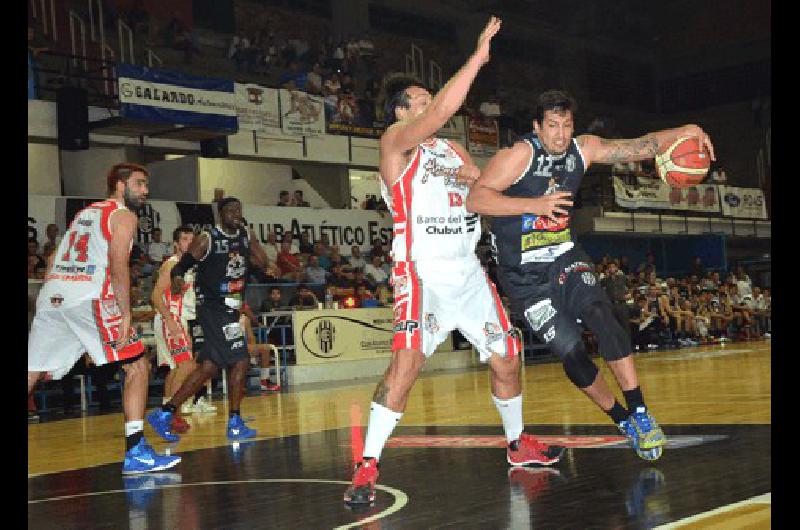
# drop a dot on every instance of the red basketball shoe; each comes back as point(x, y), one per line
point(364, 478)
point(528, 450)
point(179, 425)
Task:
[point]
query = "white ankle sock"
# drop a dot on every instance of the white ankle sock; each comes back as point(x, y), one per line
point(382, 422)
point(511, 412)
point(264, 373)
point(132, 427)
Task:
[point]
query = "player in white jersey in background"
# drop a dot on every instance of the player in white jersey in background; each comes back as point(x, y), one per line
point(174, 302)
point(84, 306)
point(438, 282)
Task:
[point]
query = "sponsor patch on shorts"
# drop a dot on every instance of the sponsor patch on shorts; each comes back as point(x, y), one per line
point(232, 331)
point(539, 313)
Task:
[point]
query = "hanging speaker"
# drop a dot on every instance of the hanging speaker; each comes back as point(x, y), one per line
point(214, 148)
point(72, 113)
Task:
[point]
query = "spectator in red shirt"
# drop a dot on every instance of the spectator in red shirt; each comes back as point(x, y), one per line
point(288, 264)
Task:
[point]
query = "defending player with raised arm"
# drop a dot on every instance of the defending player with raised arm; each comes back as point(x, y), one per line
point(223, 256)
point(437, 280)
point(528, 188)
point(84, 306)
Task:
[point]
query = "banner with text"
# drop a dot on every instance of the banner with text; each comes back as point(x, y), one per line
point(745, 203)
point(483, 136)
point(257, 108)
point(347, 114)
point(172, 97)
point(333, 335)
point(303, 114)
point(656, 194)
point(344, 228)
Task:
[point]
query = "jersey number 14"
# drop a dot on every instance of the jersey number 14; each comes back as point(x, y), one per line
point(80, 244)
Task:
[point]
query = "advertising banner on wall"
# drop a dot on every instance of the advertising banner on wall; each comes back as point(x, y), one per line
point(344, 228)
point(483, 136)
point(747, 203)
point(257, 108)
point(303, 114)
point(347, 114)
point(172, 97)
point(656, 194)
point(332, 335)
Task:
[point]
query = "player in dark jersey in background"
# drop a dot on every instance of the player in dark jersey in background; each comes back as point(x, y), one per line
point(223, 256)
point(528, 188)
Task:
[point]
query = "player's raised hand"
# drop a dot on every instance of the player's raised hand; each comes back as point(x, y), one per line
point(468, 173)
point(482, 50)
point(702, 137)
point(552, 205)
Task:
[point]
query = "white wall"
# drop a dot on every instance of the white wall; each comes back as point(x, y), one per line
point(43, 169)
point(84, 172)
point(363, 183)
point(252, 182)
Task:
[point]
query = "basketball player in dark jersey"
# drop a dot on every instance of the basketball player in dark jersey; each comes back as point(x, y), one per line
point(528, 188)
point(223, 256)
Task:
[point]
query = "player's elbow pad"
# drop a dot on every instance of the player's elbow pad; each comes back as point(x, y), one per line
point(186, 262)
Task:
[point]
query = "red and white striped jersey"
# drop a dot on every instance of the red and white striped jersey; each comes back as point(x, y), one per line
point(81, 265)
point(428, 207)
point(182, 305)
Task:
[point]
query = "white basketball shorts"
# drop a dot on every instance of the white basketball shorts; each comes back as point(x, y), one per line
point(432, 299)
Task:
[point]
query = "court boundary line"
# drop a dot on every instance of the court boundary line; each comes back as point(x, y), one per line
point(765, 498)
point(399, 496)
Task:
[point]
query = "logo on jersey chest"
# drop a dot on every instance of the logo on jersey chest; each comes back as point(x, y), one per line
point(432, 168)
point(236, 265)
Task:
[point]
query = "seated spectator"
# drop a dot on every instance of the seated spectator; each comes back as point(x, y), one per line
point(306, 247)
point(332, 87)
point(387, 265)
point(52, 237)
point(298, 199)
point(322, 255)
point(295, 244)
point(273, 301)
point(644, 325)
point(257, 351)
point(377, 249)
point(649, 265)
point(288, 263)
point(490, 108)
point(335, 257)
point(314, 273)
point(356, 261)
point(374, 273)
point(304, 298)
point(697, 267)
point(271, 247)
point(721, 314)
point(314, 81)
point(294, 78)
point(158, 250)
point(284, 199)
point(36, 263)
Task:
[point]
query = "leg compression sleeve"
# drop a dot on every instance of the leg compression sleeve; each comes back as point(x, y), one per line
point(614, 342)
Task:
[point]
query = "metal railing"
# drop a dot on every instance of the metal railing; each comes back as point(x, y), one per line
point(151, 55)
point(74, 19)
point(123, 29)
point(41, 15)
point(435, 78)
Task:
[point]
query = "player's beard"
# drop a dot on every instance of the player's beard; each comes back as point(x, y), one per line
point(132, 202)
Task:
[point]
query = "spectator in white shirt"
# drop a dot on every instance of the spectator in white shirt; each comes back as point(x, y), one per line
point(314, 273)
point(490, 108)
point(356, 261)
point(271, 247)
point(374, 273)
point(157, 250)
point(314, 80)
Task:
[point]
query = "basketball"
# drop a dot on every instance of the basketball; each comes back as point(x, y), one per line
point(684, 163)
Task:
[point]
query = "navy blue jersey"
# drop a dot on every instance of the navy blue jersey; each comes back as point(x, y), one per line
point(222, 273)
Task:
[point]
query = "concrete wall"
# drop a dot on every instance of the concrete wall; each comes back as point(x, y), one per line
point(44, 169)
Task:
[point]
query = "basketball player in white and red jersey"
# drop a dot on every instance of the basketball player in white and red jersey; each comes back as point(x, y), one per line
point(84, 306)
point(174, 303)
point(438, 282)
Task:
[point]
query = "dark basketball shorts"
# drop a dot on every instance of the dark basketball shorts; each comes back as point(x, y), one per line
point(223, 339)
point(551, 296)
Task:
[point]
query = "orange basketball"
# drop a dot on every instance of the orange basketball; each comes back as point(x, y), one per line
point(684, 163)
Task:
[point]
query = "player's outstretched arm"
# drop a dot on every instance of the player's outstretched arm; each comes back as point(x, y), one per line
point(503, 169)
point(603, 151)
point(407, 134)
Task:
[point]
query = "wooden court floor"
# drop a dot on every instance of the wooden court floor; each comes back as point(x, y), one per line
point(445, 466)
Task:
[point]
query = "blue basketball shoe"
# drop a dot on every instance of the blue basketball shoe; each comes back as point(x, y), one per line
point(644, 434)
point(161, 421)
point(237, 430)
point(142, 458)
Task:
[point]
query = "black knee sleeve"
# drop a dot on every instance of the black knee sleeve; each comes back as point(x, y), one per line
point(614, 342)
point(579, 367)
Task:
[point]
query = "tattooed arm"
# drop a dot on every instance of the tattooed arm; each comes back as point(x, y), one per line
point(603, 151)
